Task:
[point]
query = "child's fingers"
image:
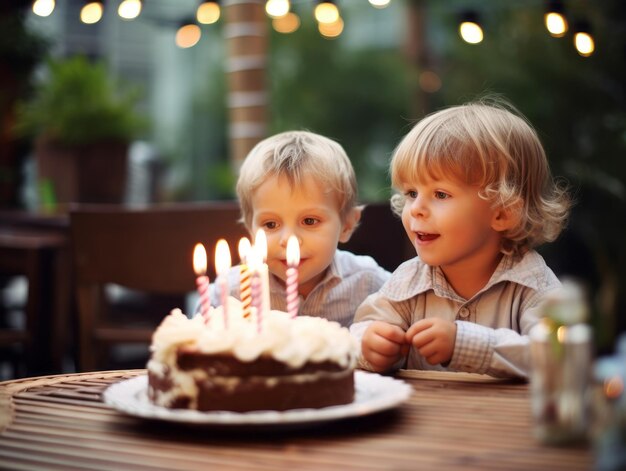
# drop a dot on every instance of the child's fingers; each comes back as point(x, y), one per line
point(404, 349)
point(423, 338)
point(427, 349)
point(379, 361)
point(391, 332)
point(419, 326)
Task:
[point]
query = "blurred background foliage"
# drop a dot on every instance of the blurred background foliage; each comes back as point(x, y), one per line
point(358, 97)
point(367, 94)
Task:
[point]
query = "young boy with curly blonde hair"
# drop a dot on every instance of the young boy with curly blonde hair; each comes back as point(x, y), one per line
point(476, 197)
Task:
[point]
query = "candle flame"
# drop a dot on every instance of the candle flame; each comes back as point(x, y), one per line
point(253, 259)
point(222, 257)
point(199, 259)
point(293, 251)
point(260, 242)
point(244, 249)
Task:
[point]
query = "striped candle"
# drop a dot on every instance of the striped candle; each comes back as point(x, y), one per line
point(202, 281)
point(222, 266)
point(260, 245)
point(293, 260)
point(254, 261)
point(257, 302)
point(245, 285)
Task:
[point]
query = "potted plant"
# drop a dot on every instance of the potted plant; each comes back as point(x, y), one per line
point(82, 125)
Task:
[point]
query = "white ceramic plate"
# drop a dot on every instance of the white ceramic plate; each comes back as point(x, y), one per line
point(374, 393)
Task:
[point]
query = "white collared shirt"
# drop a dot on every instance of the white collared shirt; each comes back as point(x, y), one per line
point(492, 326)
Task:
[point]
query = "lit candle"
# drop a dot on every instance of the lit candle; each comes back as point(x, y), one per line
point(254, 262)
point(222, 266)
point(293, 260)
point(202, 281)
point(260, 242)
point(245, 287)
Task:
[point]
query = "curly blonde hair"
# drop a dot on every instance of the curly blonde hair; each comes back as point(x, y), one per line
point(488, 143)
point(298, 155)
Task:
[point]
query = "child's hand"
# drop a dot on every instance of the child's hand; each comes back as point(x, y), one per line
point(433, 338)
point(383, 345)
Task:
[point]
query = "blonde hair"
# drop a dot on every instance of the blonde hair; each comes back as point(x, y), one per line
point(488, 144)
point(297, 155)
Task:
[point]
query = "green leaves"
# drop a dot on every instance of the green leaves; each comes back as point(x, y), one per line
point(77, 103)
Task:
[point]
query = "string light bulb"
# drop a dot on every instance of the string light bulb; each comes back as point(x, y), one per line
point(326, 12)
point(583, 40)
point(129, 9)
point(286, 24)
point(331, 30)
point(91, 12)
point(43, 7)
point(379, 3)
point(277, 8)
point(555, 20)
point(208, 12)
point(470, 30)
point(188, 35)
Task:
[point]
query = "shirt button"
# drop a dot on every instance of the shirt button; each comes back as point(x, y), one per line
point(464, 312)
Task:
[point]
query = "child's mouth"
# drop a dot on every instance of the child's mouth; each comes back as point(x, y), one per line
point(286, 265)
point(425, 237)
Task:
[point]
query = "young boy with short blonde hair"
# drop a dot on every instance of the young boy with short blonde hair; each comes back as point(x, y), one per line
point(303, 184)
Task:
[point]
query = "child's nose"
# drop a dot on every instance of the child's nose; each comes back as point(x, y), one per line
point(284, 237)
point(418, 207)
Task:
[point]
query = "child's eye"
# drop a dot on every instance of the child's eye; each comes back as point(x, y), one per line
point(412, 194)
point(440, 195)
point(270, 225)
point(310, 221)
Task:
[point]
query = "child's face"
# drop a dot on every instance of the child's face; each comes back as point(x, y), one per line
point(307, 211)
point(450, 226)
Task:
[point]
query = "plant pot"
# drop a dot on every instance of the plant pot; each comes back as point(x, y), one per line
point(88, 173)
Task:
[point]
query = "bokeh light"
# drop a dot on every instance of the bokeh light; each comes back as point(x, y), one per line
point(91, 13)
point(208, 13)
point(331, 30)
point(43, 7)
point(287, 23)
point(188, 36)
point(129, 9)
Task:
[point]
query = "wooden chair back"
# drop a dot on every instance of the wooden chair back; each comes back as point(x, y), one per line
point(148, 249)
point(381, 236)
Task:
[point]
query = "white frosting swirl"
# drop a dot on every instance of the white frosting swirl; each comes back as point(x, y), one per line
point(292, 341)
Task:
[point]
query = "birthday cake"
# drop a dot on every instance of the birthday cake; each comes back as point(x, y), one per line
point(237, 363)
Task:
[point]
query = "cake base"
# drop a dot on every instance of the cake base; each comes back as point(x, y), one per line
point(221, 382)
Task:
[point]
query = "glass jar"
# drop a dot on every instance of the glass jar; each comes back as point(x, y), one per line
point(561, 356)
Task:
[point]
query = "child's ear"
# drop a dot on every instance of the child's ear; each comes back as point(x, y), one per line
point(505, 218)
point(350, 222)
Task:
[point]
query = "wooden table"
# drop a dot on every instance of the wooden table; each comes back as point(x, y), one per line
point(452, 421)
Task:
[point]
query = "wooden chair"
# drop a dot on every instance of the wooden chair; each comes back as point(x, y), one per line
point(146, 249)
point(41, 256)
point(381, 236)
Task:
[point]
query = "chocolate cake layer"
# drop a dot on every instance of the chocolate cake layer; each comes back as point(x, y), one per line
point(227, 365)
point(254, 395)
